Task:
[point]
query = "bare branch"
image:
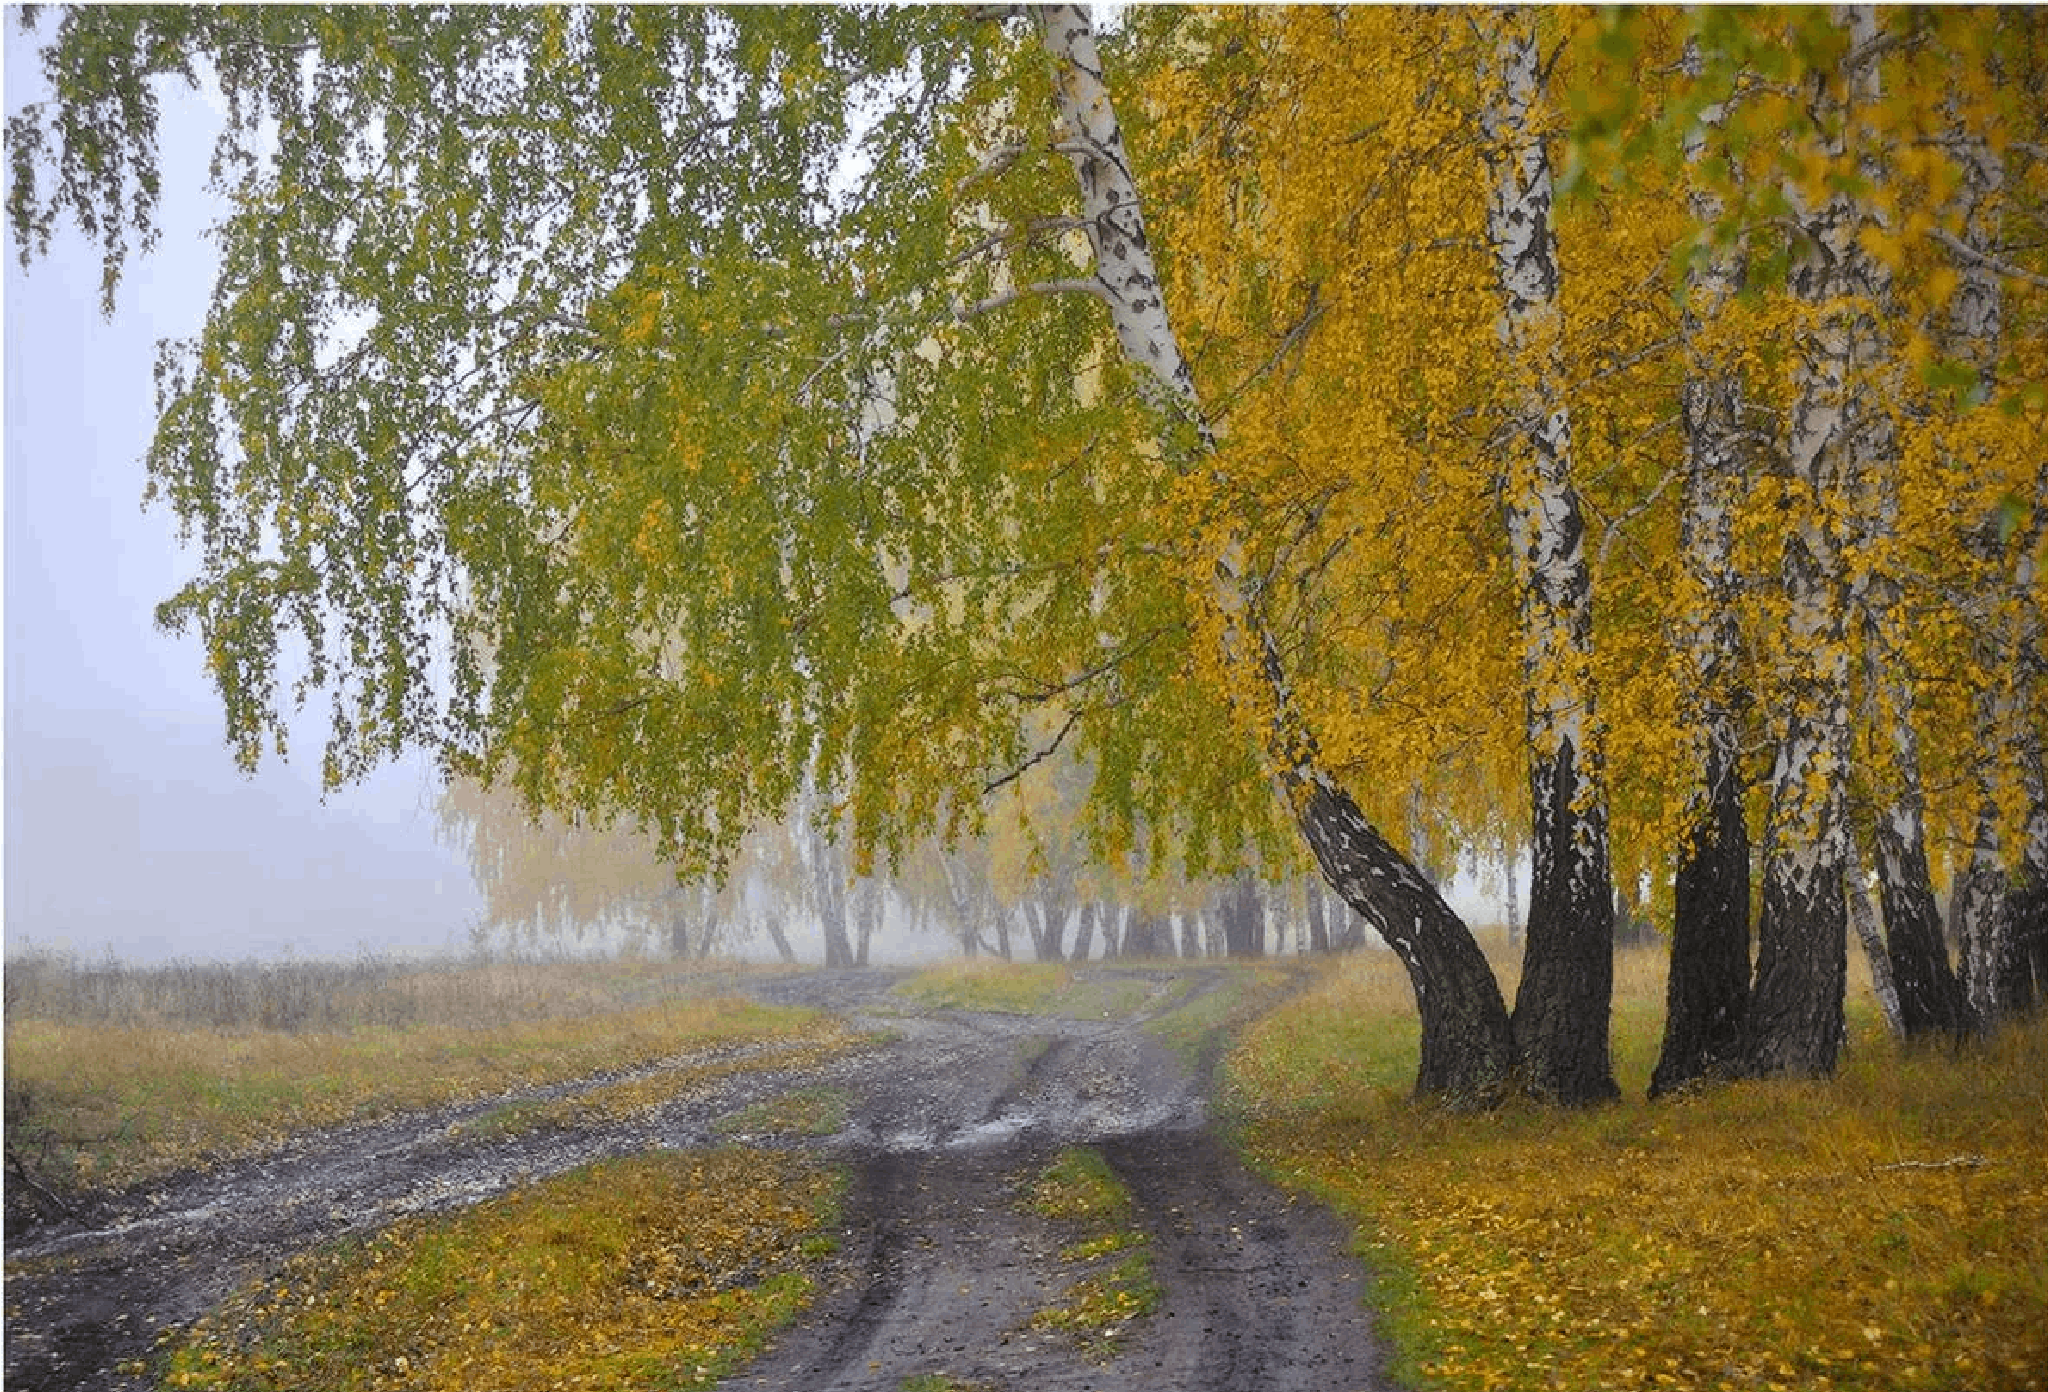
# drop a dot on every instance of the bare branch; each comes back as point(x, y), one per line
point(964, 312)
point(1037, 757)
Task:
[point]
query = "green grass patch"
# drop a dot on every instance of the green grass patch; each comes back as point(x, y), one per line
point(990, 984)
point(1079, 1190)
point(663, 1270)
point(1886, 1232)
point(818, 1111)
point(1080, 1187)
point(1200, 1022)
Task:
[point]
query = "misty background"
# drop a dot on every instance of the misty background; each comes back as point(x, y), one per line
point(128, 828)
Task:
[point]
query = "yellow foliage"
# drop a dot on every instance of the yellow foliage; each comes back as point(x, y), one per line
point(660, 1269)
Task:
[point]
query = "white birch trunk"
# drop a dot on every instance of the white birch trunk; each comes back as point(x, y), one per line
point(1929, 995)
point(1707, 989)
point(2002, 916)
point(1795, 1014)
point(1467, 1049)
point(1863, 919)
point(1561, 1009)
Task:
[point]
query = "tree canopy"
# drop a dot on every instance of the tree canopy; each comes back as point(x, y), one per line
point(666, 410)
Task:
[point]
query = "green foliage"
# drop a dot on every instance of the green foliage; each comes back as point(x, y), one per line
point(598, 399)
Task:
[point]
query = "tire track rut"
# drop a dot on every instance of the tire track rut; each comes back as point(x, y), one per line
point(942, 1264)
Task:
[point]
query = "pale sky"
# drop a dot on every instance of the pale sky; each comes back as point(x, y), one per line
point(128, 828)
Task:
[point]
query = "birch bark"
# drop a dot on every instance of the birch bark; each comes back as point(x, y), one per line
point(1930, 996)
point(1794, 1025)
point(2002, 909)
point(1562, 1007)
point(1707, 990)
point(1467, 1042)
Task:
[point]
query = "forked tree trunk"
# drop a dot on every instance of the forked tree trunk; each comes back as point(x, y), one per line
point(1084, 932)
point(1707, 990)
point(1467, 1045)
point(1563, 1005)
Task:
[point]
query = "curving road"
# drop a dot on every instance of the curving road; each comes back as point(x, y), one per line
point(942, 1266)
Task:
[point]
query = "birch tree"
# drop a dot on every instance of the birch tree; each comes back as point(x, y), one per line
point(1708, 984)
point(662, 412)
point(1467, 1048)
point(1561, 1008)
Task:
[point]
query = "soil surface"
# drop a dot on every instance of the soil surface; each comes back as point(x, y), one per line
point(942, 1267)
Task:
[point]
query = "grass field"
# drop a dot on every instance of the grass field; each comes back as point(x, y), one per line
point(1888, 1230)
point(662, 1270)
point(116, 1073)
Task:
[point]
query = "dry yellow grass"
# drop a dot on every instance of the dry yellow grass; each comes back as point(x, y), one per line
point(1888, 1230)
point(98, 1104)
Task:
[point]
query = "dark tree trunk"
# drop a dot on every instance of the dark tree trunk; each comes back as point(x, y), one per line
point(781, 940)
point(1084, 932)
point(1561, 1011)
point(1560, 1021)
point(1708, 989)
point(1192, 930)
point(832, 914)
point(1244, 917)
point(1468, 1049)
point(1047, 924)
point(867, 918)
point(1148, 935)
point(1795, 1012)
point(1931, 996)
point(1318, 922)
point(2029, 936)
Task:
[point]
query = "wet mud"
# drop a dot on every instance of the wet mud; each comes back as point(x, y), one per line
point(942, 1265)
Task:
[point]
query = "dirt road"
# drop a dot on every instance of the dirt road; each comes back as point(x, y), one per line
point(942, 1267)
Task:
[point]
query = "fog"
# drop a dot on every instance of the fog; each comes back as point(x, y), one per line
point(128, 828)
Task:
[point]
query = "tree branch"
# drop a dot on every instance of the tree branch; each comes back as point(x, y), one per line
point(964, 312)
point(1988, 261)
point(1036, 758)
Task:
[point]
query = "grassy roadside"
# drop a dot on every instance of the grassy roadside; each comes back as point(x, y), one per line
point(660, 1270)
point(1886, 1231)
point(94, 1103)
